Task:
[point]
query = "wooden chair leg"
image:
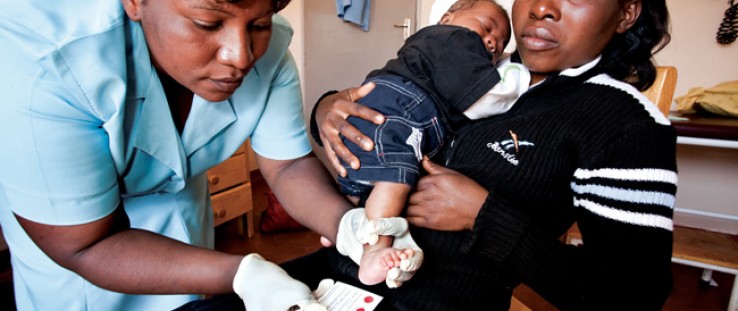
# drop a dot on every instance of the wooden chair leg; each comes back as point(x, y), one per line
point(733, 304)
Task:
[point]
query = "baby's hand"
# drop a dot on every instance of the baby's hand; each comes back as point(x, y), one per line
point(325, 242)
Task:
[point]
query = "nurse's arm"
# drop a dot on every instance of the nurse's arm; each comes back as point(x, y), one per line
point(307, 192)
point(111, 255)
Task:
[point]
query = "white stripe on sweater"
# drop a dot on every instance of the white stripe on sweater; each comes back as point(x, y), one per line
point(604, 79)
point(648, 220)
point(640, 174)
point(627, 195)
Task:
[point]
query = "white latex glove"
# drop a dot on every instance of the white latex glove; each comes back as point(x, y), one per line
point(264, 286)
point(355, 230)
point(323, 287)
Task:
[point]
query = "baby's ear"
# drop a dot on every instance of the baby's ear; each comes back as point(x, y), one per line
point(445, 19)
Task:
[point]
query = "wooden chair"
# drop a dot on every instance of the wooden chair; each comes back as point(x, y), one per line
point(697, 248)
point(517, 305)
point(661, 92)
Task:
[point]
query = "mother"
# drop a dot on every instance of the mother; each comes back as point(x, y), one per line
point(582, 145)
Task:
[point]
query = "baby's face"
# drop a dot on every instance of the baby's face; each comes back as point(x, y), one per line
point(486, 19)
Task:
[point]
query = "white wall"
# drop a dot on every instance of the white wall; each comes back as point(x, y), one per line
point(293, 13)
point(706, 192)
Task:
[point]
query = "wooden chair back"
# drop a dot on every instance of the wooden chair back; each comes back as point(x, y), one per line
point(661, 92)
point(517, 305)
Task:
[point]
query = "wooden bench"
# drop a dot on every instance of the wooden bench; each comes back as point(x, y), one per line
point(708, 250)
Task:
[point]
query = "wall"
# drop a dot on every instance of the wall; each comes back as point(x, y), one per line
point(293, 13)
point(706, 194)
point(700, 60)
point(424, 9)
point(706, 197)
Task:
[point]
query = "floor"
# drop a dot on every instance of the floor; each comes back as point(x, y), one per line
point(278, 247)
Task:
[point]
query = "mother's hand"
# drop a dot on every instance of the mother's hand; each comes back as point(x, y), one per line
point(445, 200)
point(331, 115)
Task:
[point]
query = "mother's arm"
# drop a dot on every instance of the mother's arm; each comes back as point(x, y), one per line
point(438, 204)
point(625, 264)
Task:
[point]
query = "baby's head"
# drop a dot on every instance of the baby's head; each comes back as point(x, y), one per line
point(486, 18)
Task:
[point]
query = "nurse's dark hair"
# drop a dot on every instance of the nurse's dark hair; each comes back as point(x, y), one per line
point(277, 5)
point(629, 56)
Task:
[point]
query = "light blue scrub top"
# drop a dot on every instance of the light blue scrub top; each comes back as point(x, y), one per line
point(85, 125)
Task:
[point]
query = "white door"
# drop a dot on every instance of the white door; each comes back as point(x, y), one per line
point(340, 54)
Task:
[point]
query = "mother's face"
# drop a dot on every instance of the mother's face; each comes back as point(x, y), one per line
point(207, 46)
point(553, 35)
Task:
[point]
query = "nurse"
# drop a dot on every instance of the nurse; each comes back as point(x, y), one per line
point(112, 113)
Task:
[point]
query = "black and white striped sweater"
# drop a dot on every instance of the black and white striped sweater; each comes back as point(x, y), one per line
point(581, 147)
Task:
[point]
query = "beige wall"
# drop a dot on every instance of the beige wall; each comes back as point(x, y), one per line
point(293, 13)
point(700, 60)
point(706, 197)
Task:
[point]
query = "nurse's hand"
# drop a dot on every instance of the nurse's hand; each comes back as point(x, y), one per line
point(445, 200)
point(263, 285)
point(331, 115)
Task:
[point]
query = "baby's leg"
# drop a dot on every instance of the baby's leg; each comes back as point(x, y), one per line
point(386, 200)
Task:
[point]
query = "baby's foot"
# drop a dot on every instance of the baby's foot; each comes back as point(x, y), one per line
point(375, 264)
point(411, 259)
point(407, 262)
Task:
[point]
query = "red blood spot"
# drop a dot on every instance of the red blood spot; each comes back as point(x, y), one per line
point(368, 299)
point(360, 309)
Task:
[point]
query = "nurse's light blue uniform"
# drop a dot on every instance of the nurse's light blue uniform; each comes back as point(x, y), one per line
point(85, 126)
